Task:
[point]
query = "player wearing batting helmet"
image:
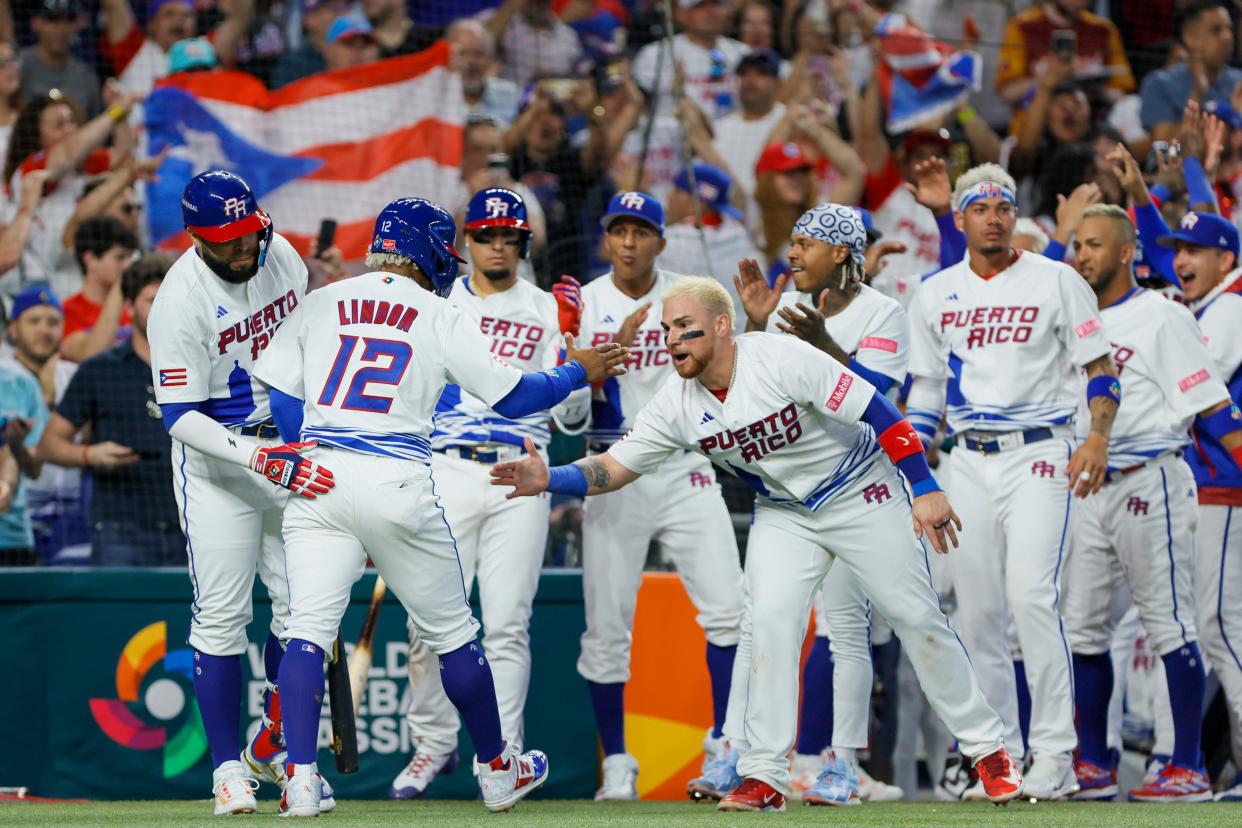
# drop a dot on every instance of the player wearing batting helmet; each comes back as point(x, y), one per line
point(418, 232)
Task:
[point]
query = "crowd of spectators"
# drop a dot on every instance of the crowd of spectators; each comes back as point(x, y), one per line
point(742, 117)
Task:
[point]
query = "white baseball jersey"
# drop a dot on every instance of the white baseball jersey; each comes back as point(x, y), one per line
point(792, 413)
point(370, 356)
point(1218, 313)
point(1008, 344)
point(617, 402)
point(1167, 377)
point(524, 331)
point(206, 334)
point(872, 329)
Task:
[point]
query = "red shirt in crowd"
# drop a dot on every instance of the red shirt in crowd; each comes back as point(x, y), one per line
point(81, 314)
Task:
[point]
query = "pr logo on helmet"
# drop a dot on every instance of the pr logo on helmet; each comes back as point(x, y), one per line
point(234, 208)
point(496, 207)
point(146, 668)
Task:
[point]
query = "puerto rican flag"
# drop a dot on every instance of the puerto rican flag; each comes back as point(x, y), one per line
point(337, 145)
point(173, 377)
point(921, 79)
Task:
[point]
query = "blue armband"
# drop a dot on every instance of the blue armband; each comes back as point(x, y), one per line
point(540, 390)
point(287, 412)
point(1220, 423)
point(926, 486)
point(881, 382)
point(175, 411)
point(1055, 250)
point(1104, 386)
point(567, 480)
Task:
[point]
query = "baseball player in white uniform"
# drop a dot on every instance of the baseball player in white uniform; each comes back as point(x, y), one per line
point(1140, 526)
point(863, 329)
point(680, 506)
point(501, 542)
point(1205, 261)
point(1001, 337)
point(782, 413)
point(215, 312)
point(358, 371)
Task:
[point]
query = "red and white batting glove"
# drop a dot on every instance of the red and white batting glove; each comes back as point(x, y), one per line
point(568, 292)
point(284, 466)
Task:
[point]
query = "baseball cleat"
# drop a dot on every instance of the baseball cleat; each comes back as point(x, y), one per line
point(873, 790)
point(753, 795)
point(1051, 777)
point(1233, 794)
point(837, 785)
point(957, 779)
point(713, 748)
point(999, 777)
point(233, 788)
point(421, 771)
point(327, 796)
point(719, 778)
point(265, 755)
point(510, 777)
point(620, 778)
point(303, 791)
point(1175, 784)
point(1155, 764)
point(804, 770)
point(1094, 782)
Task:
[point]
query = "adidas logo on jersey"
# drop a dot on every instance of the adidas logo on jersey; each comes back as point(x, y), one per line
point(707, 418)
point(952, 297)
point(220, 311)
point(607, 320)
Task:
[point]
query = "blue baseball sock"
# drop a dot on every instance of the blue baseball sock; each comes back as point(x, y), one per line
point(218, 687)
point(1183, 668)
point(1093, 687)
point(815, 722)
point(467, 680)
point(272, 653)
point(720, 668)
point(608, 700)
point(301, 699)
point(1024, 701)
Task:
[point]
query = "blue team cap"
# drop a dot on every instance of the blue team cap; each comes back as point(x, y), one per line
point(873, 235)
point(348, 25)
point(1203, 230)
point(32, 296)
point(1222, 110)
point(642, 206)
point(714, 186)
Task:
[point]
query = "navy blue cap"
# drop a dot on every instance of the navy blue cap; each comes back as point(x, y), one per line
point(714, 185)
point(873, 235)
point(32, 296)
point(765, 60)
point(1203, 230)
point(634, 204)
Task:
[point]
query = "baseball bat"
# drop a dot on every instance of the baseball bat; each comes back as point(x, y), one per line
point(360, 660)
point(344, 728)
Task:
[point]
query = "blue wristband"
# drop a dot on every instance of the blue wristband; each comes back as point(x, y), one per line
point(1104, 386)
point(1220, 423)
point(567, 480)
point(926, 486)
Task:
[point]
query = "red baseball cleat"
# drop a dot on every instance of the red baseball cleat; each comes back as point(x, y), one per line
point(1094, 782)
point(753, 795)
point(1175, 784)
point(1002, 781)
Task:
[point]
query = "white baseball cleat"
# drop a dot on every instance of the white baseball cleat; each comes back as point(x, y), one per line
point(421, 771)
point(327, 796)
point(303, 791)
point(804, 771)
point(233, 788)
point(1051, 777)
point(510, 777)
point(620, 778)
point(714, 747)
point(873, 790)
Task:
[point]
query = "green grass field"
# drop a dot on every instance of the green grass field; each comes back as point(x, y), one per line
point(576, 813)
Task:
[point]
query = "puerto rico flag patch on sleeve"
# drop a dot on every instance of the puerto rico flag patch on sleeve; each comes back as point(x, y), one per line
point(173, 377)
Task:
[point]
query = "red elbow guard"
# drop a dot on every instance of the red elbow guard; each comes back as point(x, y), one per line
point(900, 440)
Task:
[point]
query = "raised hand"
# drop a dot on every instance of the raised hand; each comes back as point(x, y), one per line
point(528, 476)
point(568, 293)
point(931, 186)
point(1070, 210)
point(601, 362)
point(631, 324)
point(285, 466)
point(758, 298)
point(806, 323)
point(873, 258)
point(1129, 174)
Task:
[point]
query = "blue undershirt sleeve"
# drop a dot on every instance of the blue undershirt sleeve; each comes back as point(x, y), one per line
point(540, 390)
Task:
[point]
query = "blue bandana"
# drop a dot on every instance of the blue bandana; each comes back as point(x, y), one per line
point(834, 224)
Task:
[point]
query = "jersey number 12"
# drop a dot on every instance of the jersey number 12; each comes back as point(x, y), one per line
point(368, 372)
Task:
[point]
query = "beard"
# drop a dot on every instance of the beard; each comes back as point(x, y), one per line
point(496, 274)
point(225, 270)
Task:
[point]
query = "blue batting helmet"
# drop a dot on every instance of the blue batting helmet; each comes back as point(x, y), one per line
point(423, 232)
point(499, 207)
point(219, 206)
